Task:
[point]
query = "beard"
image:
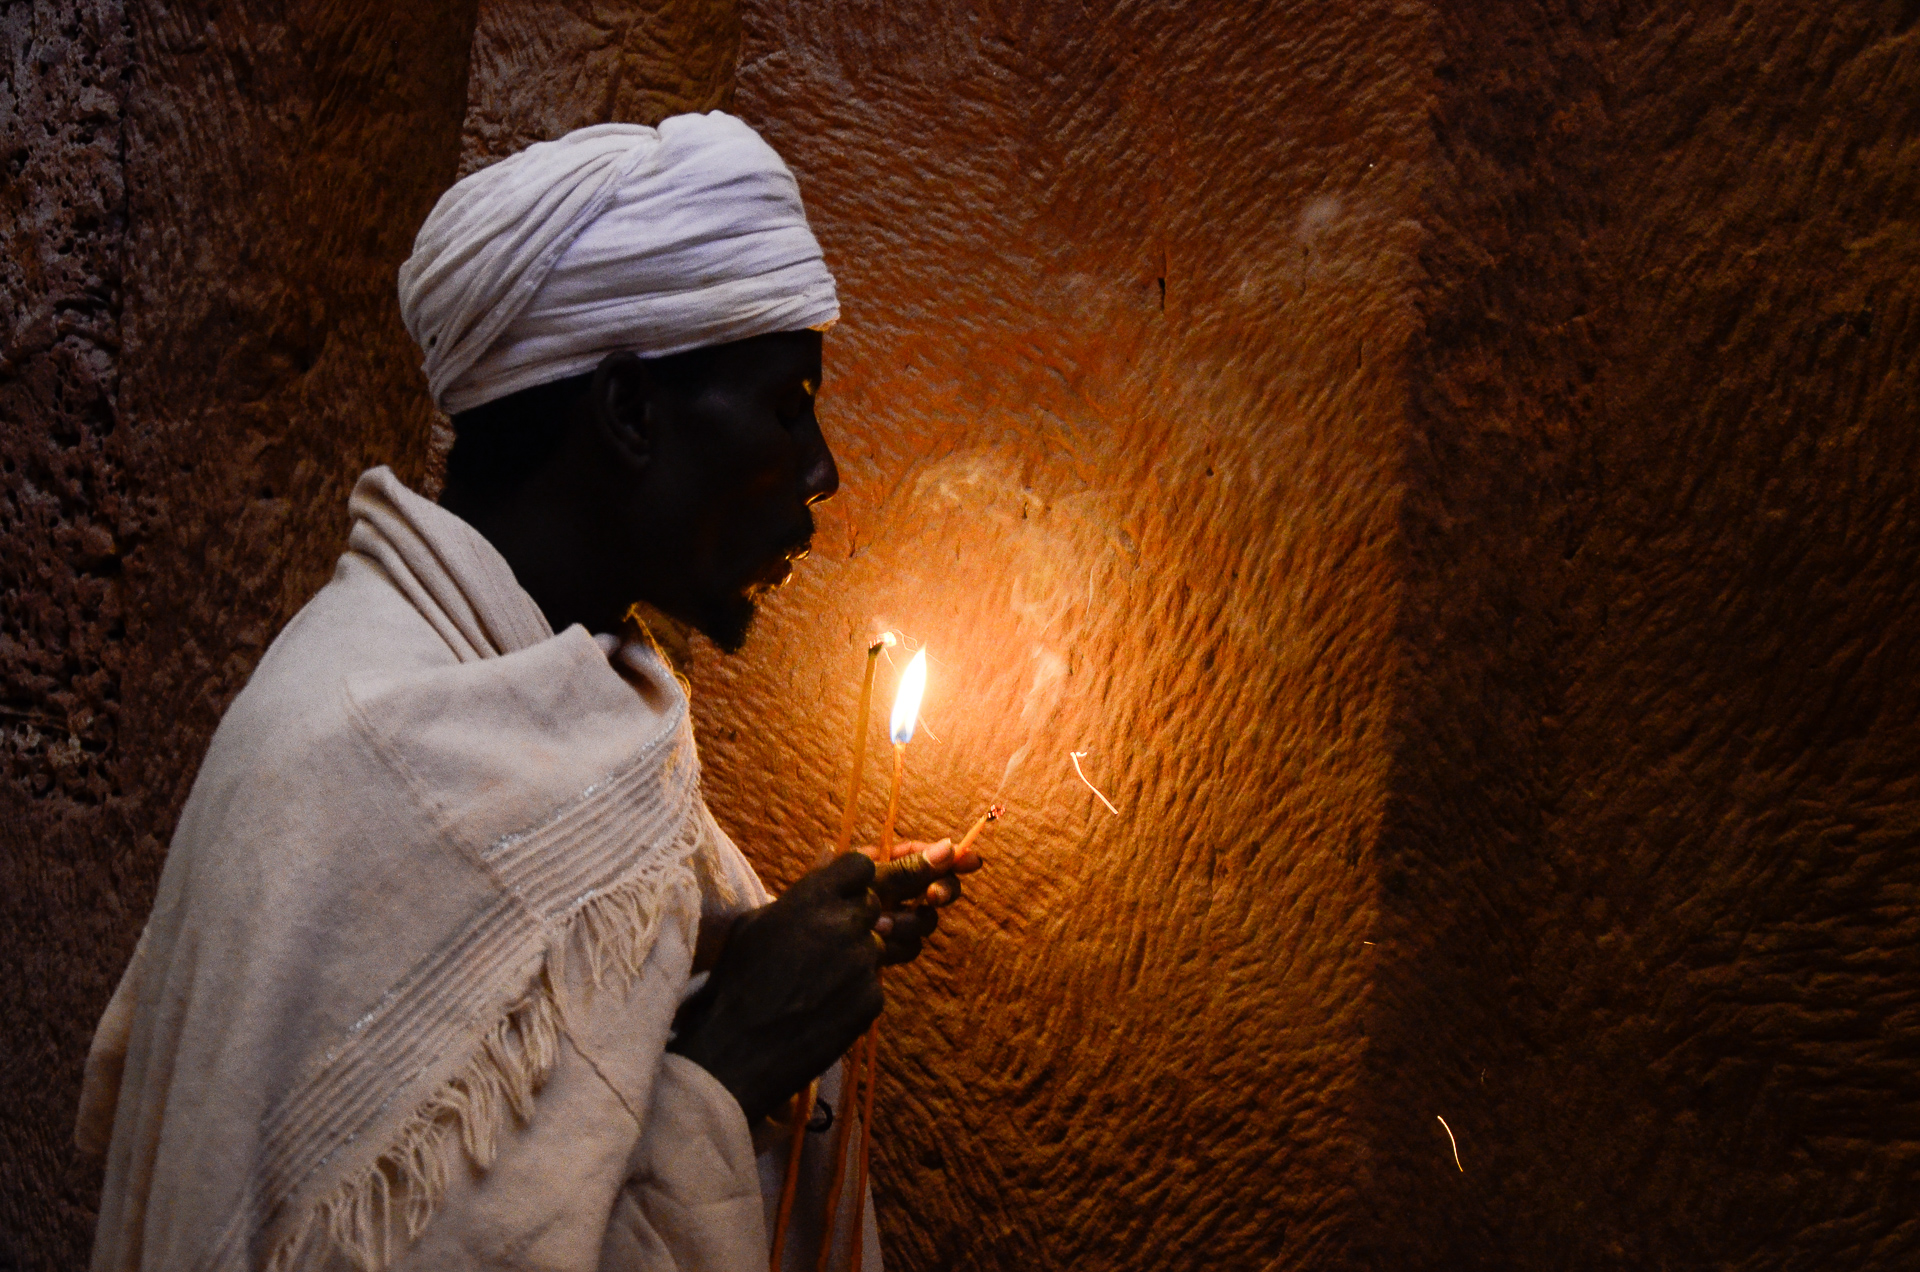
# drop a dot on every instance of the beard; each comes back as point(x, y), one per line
point(726, 620)
point(753, 569)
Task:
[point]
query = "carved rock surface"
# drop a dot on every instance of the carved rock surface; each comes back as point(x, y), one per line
point(205, 206)
point(1118, 397)
point(1501, 548)
point(542, 68)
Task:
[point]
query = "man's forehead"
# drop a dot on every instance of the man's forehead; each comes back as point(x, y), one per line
point(778, 359)
point(783, 352)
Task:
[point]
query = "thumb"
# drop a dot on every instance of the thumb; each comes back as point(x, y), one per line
point(848, 875)
point(908, 877)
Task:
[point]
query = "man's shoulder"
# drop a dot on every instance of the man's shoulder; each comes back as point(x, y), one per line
point(359, 682)
point(534, 729)
point(355, 626)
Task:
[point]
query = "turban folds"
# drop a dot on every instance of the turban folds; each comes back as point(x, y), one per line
point(615, 237)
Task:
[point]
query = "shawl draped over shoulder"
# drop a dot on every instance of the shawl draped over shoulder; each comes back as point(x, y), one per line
point(405, 992)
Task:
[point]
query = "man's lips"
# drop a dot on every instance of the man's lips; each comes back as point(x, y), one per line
point(776, 571)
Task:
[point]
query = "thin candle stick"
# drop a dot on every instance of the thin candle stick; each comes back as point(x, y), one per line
point(893, 802)
point(991, 815)
point(797, 1127)
point(863, 1048)
point(866, 1147)
point(906, 711)
point(803, 1107)
point(861, 726)
point(843, 1124)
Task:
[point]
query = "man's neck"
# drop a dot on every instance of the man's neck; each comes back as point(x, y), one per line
point(541, 544)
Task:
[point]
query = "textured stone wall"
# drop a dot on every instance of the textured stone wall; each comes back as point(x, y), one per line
point(1118, 400)
point(205, 205)
point(541, 68)
point(1618, 735)
point(1654, 857)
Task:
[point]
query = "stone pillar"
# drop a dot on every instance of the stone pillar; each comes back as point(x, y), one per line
point(206, 205)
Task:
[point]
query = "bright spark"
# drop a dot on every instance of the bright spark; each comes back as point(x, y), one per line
point(1452, 1141)
point(1090, 786)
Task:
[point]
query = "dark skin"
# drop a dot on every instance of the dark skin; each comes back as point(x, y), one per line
point(688, 482)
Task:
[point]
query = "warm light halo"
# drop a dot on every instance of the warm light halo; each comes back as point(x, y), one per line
point(906, 701)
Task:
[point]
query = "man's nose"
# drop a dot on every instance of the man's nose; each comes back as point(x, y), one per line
point(822, 476)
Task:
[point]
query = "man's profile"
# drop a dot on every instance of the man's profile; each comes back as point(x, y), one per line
point(419, 988)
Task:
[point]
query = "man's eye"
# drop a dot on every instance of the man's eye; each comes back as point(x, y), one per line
point(797, 406)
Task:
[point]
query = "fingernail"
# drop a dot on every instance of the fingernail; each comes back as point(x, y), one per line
point(884, 924)
point(940, 854)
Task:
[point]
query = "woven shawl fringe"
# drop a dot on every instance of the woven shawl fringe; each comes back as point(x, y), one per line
point(374, 1218)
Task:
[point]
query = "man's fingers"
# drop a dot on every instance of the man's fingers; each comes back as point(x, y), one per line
point(901, 950)
point(913, 920)
point(849, 875)
point(909, 930)
point(943, 891)
point(907, 877)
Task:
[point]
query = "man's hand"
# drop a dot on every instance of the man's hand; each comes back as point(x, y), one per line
point(799, 979)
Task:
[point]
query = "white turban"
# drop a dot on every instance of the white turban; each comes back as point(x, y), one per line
point(615, 237)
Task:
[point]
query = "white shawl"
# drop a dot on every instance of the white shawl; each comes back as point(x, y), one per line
point(417, 946)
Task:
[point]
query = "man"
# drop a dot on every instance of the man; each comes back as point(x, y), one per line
point(418, 988)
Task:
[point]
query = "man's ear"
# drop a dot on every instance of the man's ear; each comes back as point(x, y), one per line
point(622, 401)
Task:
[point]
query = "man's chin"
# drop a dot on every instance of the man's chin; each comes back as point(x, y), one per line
point(725, 621)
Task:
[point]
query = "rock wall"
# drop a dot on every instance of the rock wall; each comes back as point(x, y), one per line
point(205, 207)
point(1655, 848)
point(1118, 398)
point(541, 68)
point(1527, 740)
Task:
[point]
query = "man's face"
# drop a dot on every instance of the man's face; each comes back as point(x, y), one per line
point(736, 459)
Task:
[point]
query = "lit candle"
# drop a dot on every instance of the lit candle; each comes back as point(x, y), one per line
point(803, 1103)
point(865, 1054)
point(906, 714)
point(991, 815)
point(885, 641)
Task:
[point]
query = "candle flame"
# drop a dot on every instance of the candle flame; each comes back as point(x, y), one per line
point(906, 702)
